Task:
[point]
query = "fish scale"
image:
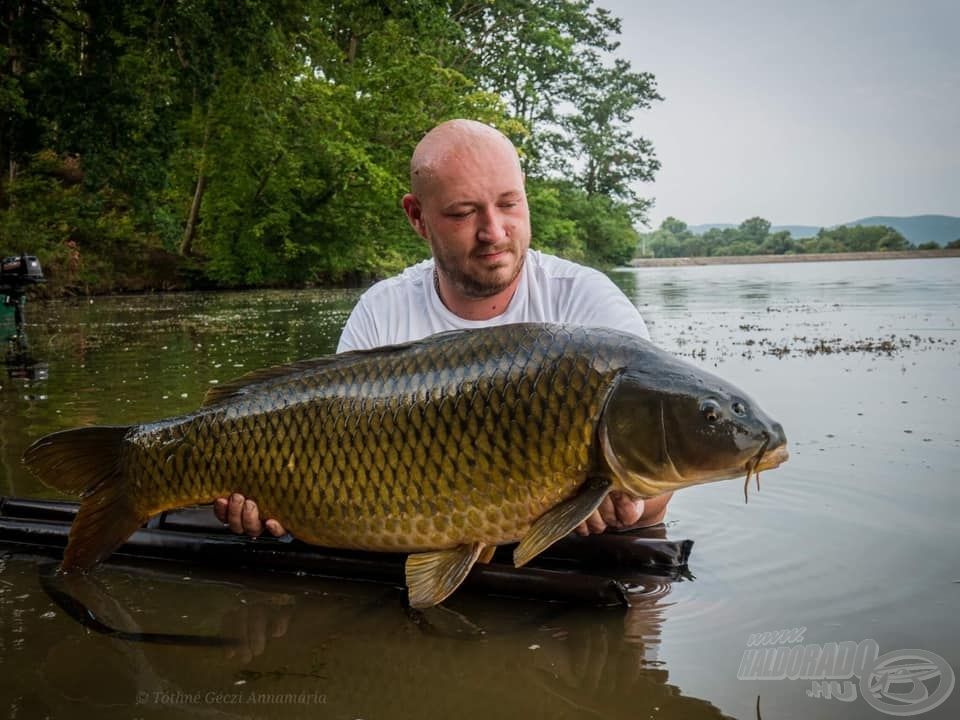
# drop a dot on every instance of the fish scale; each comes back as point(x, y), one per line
point(443, 447)
point(477, 455)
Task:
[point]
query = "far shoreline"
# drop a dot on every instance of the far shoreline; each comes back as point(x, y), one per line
point(805, 257)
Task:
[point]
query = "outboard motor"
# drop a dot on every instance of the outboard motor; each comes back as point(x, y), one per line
point(17, 273)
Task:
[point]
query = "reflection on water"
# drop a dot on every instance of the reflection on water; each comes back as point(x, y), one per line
point(123, 360)
point(351, 648)
point(853, 538)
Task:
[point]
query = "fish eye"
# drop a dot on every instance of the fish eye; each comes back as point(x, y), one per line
point(739, 408)
point(711, 410)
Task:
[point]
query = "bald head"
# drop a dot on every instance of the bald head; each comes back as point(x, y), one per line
point(469, 203)
point(453, 143)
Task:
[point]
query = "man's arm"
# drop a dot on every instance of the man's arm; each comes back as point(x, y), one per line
point(595, 301)
point(360, 332)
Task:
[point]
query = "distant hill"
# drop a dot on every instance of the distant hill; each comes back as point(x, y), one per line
point(917, 229)
point(940, 229)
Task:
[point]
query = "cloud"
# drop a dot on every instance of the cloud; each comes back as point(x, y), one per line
point(811, 113)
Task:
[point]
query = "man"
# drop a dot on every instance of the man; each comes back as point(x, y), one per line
point(468, 202)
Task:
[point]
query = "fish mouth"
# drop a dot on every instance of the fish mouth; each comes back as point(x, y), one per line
point(772, 458)
point(764, 460)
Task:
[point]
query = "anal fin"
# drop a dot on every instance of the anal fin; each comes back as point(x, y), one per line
point(433, 576)
point(559, 521)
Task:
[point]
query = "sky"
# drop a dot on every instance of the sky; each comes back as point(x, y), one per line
point(805, 113)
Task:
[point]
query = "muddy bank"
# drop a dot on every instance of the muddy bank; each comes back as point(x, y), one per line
point(809, 257)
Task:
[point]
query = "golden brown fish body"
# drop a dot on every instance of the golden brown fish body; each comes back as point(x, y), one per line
point(465, 438)
point(442, 447)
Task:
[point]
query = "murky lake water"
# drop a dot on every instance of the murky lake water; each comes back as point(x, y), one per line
point(855, 538)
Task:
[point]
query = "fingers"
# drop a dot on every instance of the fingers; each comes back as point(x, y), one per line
point(243, 516)
point(220, 509)
point(235, 513)
point(595, 523)
point(627, 510)
point(620, 511)
point(275, 528)
point(617, 510)
point(608, 511)
point(250, 518)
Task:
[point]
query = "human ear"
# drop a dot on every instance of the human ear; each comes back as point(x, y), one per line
point(414, 212)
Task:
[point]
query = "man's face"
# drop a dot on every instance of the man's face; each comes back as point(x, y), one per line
point(473, 212)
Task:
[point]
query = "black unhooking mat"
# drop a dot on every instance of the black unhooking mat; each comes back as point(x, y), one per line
point(600, 569)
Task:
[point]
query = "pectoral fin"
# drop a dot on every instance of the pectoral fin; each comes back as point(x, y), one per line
point(561, 520)
point(432, 576)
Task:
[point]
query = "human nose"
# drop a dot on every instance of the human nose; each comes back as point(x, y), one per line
point(492, 227)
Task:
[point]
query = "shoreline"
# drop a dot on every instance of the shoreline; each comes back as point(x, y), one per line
point(807, 257)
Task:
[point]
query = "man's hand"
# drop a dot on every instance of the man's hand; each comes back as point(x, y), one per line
point(243, 516)
point(619, 511)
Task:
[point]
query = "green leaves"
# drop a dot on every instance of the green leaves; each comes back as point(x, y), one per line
point(753, 237)
point(254, 143)
point(592, 229)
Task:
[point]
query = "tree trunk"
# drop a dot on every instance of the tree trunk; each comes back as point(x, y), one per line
point(15, 68)
point(352, 48)
point(190, 231)
point(186, 245)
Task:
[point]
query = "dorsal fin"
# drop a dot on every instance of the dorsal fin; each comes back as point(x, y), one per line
point(241, 385)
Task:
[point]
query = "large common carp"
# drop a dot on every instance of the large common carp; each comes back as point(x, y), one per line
point(443, 448)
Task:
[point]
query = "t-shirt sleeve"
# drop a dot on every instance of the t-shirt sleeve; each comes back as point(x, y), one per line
point(360, 332)
point(598, 302)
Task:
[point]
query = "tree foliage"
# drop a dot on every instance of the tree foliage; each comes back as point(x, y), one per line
point(546, 58)
point(252, 143)
point(753, 237)
point(594, 229)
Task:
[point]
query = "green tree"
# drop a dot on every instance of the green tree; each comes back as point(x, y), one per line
point(892, 240)
point(859, 238)
point(610, 159)
point(779, 243)
point(544, 57)
point(672, 239)
point(754, 231)
point(252, 143)
point(554, 229)
point(531, 53)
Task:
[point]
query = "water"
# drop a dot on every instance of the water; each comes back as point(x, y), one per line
point(855, 538)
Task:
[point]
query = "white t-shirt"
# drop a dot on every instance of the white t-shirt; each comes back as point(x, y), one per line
point(406, 307)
